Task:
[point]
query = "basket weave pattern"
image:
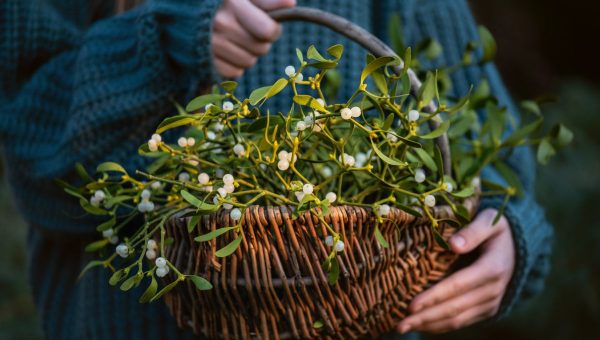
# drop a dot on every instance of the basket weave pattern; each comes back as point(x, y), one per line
point(274, 286)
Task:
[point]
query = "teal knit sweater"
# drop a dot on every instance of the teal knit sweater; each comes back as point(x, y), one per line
point(80, 85)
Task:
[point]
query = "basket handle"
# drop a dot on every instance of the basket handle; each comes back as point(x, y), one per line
point(374, 45)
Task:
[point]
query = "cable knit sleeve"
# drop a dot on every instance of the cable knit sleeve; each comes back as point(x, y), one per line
point(452, 24)
point(71, 95)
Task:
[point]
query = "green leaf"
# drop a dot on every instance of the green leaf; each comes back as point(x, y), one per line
point(299, 55)
point(462, 124)
point(96, 245)
point(110, 166)
point(439, 161)
point(258, 94)
point(318, 324)
point(407, 60)
point(192, 223)
point(261, 123)
point(313, 54)
point(175, 121)
point(89, 266)
point(427, 90)
point(439, 239)
point(117, 276)
point(488, 44)
point(374, 65)
point(200, 282)
point(379, 237)
point(518, 137)
point(437, 132)
point(213, 234)
point(336, 51)
point(230, 248)
point(201, 101)
point(333, 272)
point(83, 173)
point(408, 210)
point(130, 282)
point(561, 136)
point(395, 33)
point(510, 176)
point(531, 107)
point(385, 158)
point(426, 159)
point(85, 204)
point(229, 86)
point(433, 49)
point(464, 193)
point(387, 124)
point(545, 151)
point(74, 192)
point(200, 205)
point(458, 106)
point(165, 290)
point(150, 291)
point(309, 101)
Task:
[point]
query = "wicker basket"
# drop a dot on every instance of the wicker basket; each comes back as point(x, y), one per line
point(274, 286)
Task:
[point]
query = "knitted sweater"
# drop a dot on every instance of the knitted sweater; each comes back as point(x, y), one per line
point(78, 84)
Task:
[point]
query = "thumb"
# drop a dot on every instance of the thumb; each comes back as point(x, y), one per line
point(479, 230)
point(270, 5)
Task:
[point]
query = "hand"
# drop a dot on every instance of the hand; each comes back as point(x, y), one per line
point(242, 32)
point(473, 293)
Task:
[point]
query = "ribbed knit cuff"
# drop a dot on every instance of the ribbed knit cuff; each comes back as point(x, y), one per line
point(186, 30)
point(532, 237)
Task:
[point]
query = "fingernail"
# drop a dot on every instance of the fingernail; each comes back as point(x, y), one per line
point(404, 329)
point(458, 241)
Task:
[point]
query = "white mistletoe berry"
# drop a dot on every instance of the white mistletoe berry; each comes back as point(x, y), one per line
point(326, 171)
point(210, 135)
point(239, 150)
point(383, 210)
point(182, 141)
point(347, 160)
point(419, 175)
point(94, 201)
point(331, 197)
point(122, 250)
point(108, 233)
point(228, 179)
point(227, 106)
point(145, 194)
point(283, 165)
point(361, 159)
point(430, 201)
point(346, 113)
point(299, 77)
point(155, 185)
point(356, 111)
point(152, 145)
point(339, 246)
point(307, 189)
point(191, 141)
point(282, 155)
point(99, 194)
point(218, 126)
point(235, 214)
point(184, 177)
point(301, 126)
point(290, 70)
point(329, 240)
point(208, 106)
point(391, 137)
point(151, 244)
point(156, 137)
point(227, 205)
point(203, 178)
point(413, 115)
point(160, 262)
point(229, 188)
point(162, 271)
point(150, 254)
point(448, 187)
point(222, 192)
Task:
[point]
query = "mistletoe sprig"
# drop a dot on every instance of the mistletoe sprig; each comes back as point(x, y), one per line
point(373, 150)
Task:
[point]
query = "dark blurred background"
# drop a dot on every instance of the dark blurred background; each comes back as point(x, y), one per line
point(546, 48)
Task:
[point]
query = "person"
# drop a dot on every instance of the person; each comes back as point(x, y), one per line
point(89, 80)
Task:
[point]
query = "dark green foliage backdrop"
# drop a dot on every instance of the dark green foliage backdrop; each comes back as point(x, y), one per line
point(543, 49)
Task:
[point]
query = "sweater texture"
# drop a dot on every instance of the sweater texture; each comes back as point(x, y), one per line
point(79, 84)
